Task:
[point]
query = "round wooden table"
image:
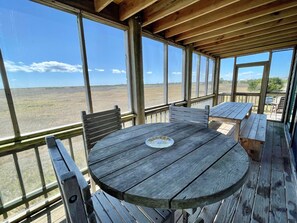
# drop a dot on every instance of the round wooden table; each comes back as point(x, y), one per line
point(201, 167)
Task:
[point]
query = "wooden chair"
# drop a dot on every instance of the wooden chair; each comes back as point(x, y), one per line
point(185, 114)
point(279, 105)
point(100, 124)
point(83, 207)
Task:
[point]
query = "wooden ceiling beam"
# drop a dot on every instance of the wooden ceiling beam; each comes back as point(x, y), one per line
point(234, 9)
point(258, 49)
point(255, 31)
point(101, 4)
point(275, 7)
point(267, 21)
point(250, 42)
point(129, 8)
point(163, 8)
point(204, 43)
point(288, 33)
point(194, 11)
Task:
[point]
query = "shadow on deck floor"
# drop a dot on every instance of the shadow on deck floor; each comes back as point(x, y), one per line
point(269, 195)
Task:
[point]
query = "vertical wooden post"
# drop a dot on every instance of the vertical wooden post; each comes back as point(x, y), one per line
point(234, 81)
point(188, 57)
point(198, 75)
point(206, 75)
point(285, 117)
point(9, 99)
point(165, 73)
point(264, 85)
point(216, 80)
point(84, 63)
point(136, 69)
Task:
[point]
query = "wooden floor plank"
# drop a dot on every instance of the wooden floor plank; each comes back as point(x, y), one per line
point(209, 212)
point(245, 206)
point(277, 198)
point(228, 208)
point(262, 197)
point(290, 182)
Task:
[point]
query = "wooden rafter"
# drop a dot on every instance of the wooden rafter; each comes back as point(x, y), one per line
point(163, 8)
point(251, 41)
point(194, 11)
point(101, 4)
point(246, 36)
point(267, 21)
point(234, 9)
point(263, 42)
point(258, 49)
point(131, 7)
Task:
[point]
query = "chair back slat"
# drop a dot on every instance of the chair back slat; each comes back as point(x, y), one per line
point(185, 114)
point(98, 125)
point(75, 191)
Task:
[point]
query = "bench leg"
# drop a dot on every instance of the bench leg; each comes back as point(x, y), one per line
point(237, 131)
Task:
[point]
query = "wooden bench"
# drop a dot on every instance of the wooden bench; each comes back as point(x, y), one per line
point(253, 134)
point(82, 206)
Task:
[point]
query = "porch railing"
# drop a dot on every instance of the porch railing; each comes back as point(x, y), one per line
point(252, 98)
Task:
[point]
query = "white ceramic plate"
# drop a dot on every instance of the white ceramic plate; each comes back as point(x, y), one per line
point(159, 142)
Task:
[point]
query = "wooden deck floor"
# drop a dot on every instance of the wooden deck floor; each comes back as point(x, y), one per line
point(269, 195)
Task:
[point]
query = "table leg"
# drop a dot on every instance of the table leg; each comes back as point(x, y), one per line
point(250, 112)
point(237, 131)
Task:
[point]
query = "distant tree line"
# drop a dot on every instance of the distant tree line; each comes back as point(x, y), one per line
point(274, 84)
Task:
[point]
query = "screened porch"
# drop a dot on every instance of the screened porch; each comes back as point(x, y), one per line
point(61, 57)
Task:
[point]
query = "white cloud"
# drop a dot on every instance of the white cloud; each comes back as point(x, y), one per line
point(117, 71)
point(42, 67)
point(149, 72)
point(99, 70)
point(176, 72)
point(246, 73)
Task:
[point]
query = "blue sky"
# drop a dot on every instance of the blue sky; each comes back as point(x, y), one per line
point(40, 47)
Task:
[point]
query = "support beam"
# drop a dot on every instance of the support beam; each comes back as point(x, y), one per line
point(234, 81)
point(216, 80)
point(9, 99)
point(206, 75)
point(198, 68)
point(188, 74)
point(163, 8)
point(290, 84)
point(101, 4)
point(84, 64)
point(165, 73)
point(196, 10)
point(135, 67)
point(235, 9)
point(129, 8)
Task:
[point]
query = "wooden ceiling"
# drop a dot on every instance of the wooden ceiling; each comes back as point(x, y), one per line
point(215, 27)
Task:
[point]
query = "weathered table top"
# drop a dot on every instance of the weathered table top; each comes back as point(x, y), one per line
point(231, 110)
point(203, 166)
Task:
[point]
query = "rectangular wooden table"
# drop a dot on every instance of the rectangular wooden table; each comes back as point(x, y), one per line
point(233, 112)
